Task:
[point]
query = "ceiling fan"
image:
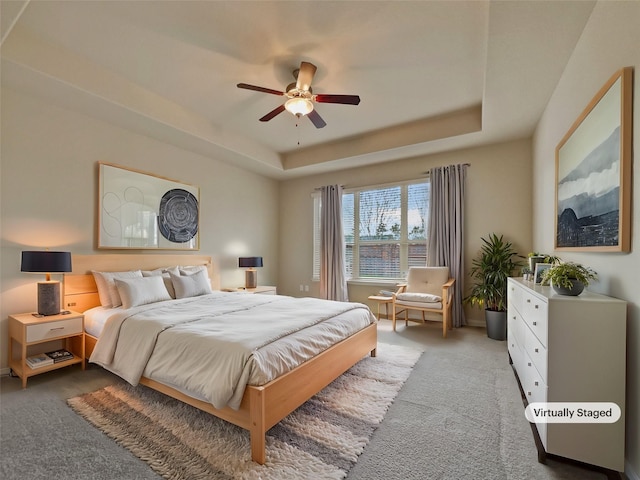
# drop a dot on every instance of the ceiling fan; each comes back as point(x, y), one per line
point(300, 97)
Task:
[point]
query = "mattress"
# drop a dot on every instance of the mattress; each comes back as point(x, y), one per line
point(210, 347)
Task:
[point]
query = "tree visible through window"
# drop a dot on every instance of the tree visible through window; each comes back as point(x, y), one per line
point(384, 229)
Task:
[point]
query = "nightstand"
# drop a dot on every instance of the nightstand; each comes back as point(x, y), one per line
point(261, 289)
point(27, 331)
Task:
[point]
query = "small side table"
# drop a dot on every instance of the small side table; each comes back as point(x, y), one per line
point(26, 330)
point(382, 301)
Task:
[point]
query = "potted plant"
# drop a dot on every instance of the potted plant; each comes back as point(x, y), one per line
point(568, 278)
point(536, 257)
point(490, 269)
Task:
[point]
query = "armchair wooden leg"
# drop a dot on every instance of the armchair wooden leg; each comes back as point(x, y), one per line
point(445, 324)
point(393, 317)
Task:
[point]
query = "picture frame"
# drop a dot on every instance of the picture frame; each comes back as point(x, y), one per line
point(540, 269)
point(593, 173)
point(139, 210)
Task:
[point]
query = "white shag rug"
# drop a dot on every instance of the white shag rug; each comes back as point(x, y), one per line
point(320, 440)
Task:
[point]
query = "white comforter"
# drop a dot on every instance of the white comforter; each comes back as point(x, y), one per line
point(212, 346)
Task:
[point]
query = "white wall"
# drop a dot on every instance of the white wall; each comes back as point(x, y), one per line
point(498, 200)
point(49, 195)
point(609, 42)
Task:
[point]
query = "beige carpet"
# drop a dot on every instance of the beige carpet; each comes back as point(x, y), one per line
point(320, 440)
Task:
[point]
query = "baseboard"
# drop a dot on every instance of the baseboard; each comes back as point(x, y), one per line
point(5, 371)
point(476, 323)
point(629, 472)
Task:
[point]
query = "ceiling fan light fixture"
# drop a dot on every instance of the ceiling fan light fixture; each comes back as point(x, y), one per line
point(299, 106)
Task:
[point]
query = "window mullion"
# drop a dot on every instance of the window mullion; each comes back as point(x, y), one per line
point(356, 235)
point(404, 249)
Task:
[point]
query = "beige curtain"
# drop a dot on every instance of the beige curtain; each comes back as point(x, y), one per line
point(445, 239)
point(333, 280)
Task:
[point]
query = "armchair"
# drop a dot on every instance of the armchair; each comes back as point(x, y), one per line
point(428, 289)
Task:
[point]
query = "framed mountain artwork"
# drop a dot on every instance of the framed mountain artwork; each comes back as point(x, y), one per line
point(593, 173)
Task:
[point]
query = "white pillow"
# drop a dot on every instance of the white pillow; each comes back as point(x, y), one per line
point(419, 297)
point(164, 273)
point(141, 291)
point(107, 291)
point(191, 285)
point(191, 269)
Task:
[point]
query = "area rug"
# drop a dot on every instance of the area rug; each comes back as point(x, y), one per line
point(320, 440)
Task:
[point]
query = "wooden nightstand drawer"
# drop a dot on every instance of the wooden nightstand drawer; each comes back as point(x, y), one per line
point(60, 328)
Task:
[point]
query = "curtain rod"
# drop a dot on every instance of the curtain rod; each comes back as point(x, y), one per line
point(424, 173)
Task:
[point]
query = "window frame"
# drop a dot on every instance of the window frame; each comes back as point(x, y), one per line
point(403, 242)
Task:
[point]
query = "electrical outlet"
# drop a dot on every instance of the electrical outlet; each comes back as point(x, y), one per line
point(306, 288)
point(301, 288)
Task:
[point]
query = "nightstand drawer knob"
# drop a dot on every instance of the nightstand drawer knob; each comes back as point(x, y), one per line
point(55, 329)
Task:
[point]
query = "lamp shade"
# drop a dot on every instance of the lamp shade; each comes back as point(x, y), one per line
point(45, 262)
point(250, 262)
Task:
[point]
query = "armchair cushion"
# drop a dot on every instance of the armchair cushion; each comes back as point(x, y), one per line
point(427, 280)
point(418, 297)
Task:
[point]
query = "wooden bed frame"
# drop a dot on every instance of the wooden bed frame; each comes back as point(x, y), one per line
point(261, 407)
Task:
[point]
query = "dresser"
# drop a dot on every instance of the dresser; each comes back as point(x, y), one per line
point(570, 349)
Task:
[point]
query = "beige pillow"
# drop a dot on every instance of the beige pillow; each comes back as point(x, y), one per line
point(141, 291)
point(107, 291)
point(164, 273)
point(191, 285)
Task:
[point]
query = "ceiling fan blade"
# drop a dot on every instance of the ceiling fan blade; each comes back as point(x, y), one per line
point(344, 99)
point(260, 89)
point(305, 76)
point(272, 113)
point(316, 119)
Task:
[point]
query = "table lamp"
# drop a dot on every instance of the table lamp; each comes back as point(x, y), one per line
point(48, 291)
point(251, 275)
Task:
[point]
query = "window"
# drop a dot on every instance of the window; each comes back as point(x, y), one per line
point(384, 230)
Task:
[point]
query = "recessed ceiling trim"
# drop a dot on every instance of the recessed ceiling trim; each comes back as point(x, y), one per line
point(460, 122)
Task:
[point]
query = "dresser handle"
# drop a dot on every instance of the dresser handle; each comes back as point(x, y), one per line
point(528, 300)
point(529, 393)
point(57, 328)
point(535, 323)
point(535, 383)
point(535, 350)
point(528, 364)
point(536, 307)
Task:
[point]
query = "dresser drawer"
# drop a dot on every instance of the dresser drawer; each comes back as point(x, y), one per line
point(535, 315)
point(514, 296)
point(535, 388)
point(61, 328)
point(537, 353)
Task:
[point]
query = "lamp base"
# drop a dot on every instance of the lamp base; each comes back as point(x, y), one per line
point(251, 278)
point(49, 298)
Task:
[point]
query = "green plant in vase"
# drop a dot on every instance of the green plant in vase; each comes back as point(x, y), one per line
point(568, 278)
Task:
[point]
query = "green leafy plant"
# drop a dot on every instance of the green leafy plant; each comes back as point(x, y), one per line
point(490, 269)
point(564, 274)
point(547, 258)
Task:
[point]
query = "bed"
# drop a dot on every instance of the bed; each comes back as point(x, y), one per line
point(259, 407)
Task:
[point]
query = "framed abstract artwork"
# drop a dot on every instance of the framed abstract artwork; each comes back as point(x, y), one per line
point(138, 210)
point(593, 173)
